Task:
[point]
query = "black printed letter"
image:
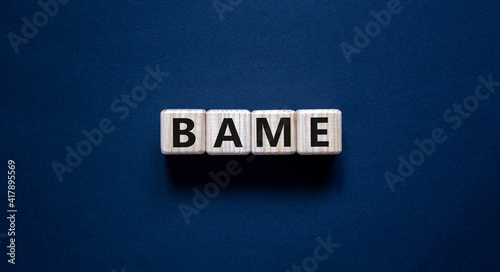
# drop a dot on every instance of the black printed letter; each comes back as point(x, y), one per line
point(228, 122)
point(177, 132)
point(315, 131)
point(273, 141)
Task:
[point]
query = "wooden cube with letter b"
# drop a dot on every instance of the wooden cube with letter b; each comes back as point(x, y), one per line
point(273, 132)
point(183, 131)
point(319, 132)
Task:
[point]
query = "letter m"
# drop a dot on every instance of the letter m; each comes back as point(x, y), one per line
point(262, 123)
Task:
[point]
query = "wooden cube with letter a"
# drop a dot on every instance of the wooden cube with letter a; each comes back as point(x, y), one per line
point(228, 132)
point(183, 131)
point(319, 132)
point(273, 132)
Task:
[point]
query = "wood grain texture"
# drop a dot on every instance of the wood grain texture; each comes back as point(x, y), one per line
point(329, 133)
point(198, 117)
point(273, 118)
point(242, 125)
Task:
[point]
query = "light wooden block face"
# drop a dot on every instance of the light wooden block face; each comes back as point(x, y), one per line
point(273, 132)
point(228, 132)
point(319, 132)
point(183, 131)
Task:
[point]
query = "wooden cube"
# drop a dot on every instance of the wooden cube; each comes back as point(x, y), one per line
point(319, 132)
point(183, 131)
point(273, 132)
point(228, 132)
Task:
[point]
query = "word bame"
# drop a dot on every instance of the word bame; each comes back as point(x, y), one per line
point(261, 132)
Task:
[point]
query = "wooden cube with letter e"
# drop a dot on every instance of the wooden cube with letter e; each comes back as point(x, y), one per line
point(319, 132)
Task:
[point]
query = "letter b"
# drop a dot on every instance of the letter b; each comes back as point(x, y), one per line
point(383, 17)
point(94, 136)
point(427, 146)
point(177, 132)
point(183, 131)
point(50, 6)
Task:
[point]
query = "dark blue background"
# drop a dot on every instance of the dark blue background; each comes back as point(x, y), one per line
point(119, 207)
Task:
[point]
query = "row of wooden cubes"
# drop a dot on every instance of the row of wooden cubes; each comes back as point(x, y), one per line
point(261, 132)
